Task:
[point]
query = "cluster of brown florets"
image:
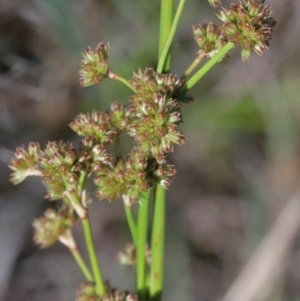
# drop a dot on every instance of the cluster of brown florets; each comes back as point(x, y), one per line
point(87, 292)
point(63, 167)
point(94, 65)
point(247, 23)
point(151, 118)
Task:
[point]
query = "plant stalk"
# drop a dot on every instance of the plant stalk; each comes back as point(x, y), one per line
point(166, 20)
point(80, 262)
point(158, 245)
point(141, 246)
point(121, 79)
point(158, 227)
point(205, 68)
point(89, 240)
point(166, 48)
point(131, 223)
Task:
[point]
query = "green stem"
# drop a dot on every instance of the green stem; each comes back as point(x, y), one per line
point(166, 48)
point(205, 68)
point(166, 20)
point(194, 64)
point(158, 244)
point(79, 206)
point(121, 79)
point(158, 228)
point(87, 229)
point(82, 265)
point(131, 223)
point(142, 229)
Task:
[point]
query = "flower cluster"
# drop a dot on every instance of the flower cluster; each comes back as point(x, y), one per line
point(94, 66)
point(151, 118)
point(53, 226)
point(87, 292)
point(208, 38)
point(24, 163)
point(247, 23)
point(155, 113)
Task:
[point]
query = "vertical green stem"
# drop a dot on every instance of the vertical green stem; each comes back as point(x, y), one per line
point(164, 57)
point(166, 20)
point(158, 228)
point(142, 229)
point(89, 240)
point(158, 245)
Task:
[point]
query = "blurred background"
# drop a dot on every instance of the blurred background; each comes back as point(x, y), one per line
point(233, 209)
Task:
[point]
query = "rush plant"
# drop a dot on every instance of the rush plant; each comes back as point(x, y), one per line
point(140, 178)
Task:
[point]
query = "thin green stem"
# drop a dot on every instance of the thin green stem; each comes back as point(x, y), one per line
point(121, 79)
point(82, 265)
point(194, 64)
point(89, 240)
point(79, 206)
point(131, 223)
point(166, 20)
point(158, 228)
point(67, 239)
point(205, 68)
point(142, 230)
point(166, 49)
point(158, 244)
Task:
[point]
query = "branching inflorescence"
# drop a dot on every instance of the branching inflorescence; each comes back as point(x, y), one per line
point(151, 117)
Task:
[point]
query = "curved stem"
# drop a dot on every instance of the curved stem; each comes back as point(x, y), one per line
point(121, 79)
point(166, 48)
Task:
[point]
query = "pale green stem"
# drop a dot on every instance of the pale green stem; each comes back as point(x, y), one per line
point(141, 246)
point(131, 223)
point(158, 227)
point(166, 49)
point(79, 206)
point(158, 244)
point(89, 240)
point(166, 20)
point(82, 265)
point(194, 64)
point(121, 79)
point(205, 68)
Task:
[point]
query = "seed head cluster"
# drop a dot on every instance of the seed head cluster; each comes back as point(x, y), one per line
point(151, 119)
point(247, 23)
point(53, 226)
point(94, 65)
point(87, 292)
